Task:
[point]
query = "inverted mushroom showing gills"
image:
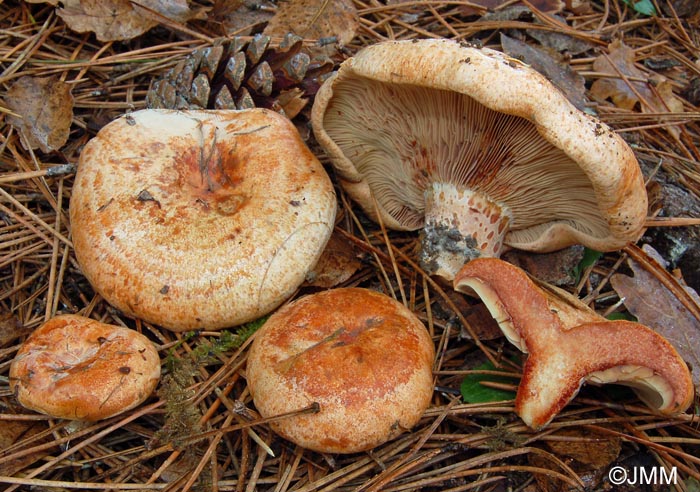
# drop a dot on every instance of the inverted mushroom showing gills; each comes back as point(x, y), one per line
point(77, 368)
point(569, 344)
point(199, 219)
point(478, 150)
point(362, 357)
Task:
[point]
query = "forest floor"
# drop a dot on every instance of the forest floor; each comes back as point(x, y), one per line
point(68, 70)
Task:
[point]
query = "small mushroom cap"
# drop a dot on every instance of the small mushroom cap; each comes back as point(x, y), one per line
point(73, 367)
point(569, 344)
point(401, 116)
point(362, 356)
point(199, 219)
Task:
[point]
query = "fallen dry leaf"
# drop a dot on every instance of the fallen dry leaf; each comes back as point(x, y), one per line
point(562, 76)
point(588, 452)
point(579, 7)
point(545, 6)
point(14, 431)
point(45, 107)
point(556, 268)
point(477, 316)
point(510, 13)
point(680, 8)
point(586, 446)
point(480, 321)
point(692, 91)
point(315, 19)
point(656, 307)
point(339, 261)
point(558, 41)
point(11, 328)
point(116, 20)
point(637, 94)
point(242, 18)
point(292, 101)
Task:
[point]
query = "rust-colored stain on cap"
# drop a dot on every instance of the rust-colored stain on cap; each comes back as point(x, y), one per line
point(362, 356)
point(199, 219)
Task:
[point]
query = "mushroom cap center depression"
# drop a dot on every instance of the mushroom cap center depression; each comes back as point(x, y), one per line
point(199, 219)
point(361, 348)
point(209, 176)
point(182, 186)
point(362, 356)
point(401, 138)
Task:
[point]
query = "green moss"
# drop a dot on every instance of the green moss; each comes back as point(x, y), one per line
point(209, 350)
point(502, 437)
point(182, 416)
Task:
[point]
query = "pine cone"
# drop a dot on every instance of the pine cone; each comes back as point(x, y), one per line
point(237, 74)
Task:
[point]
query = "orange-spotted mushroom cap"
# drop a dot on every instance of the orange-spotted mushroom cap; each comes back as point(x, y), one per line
point(199, 219)
point(77, 368)
point(478, 150)
point(363, 357)
point(569, 344)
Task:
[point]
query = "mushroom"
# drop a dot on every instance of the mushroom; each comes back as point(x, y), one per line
point(478, 150)
point(363, 357)
point(569, 344)
point(199, 219)
point(73, 367)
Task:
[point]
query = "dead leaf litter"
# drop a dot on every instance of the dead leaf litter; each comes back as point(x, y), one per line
point(68, 69)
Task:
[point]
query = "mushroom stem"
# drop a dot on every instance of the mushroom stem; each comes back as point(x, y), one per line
point(460, 225)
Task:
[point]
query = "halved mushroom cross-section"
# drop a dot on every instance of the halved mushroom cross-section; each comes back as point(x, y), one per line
point(569, 343)
point(478, 150)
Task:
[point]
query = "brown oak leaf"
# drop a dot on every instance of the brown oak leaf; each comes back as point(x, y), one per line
point(315, 19)
point(45, 111)
point(115, 20)
point(242, 18)
point(13, 431)
point(656, 307)
point(556, 268)
point(11, 328)
point(588, 452)
point(652, 94)
point(477, 7)
point(339, 261)
point(567, 80)
point(620, 62)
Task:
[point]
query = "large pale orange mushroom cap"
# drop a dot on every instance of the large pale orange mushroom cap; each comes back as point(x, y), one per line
point(477, 150)
point(363, 357)
point(77, 368)
point(199, 219)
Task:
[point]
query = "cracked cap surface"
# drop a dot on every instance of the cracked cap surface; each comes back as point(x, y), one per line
point(199, 219)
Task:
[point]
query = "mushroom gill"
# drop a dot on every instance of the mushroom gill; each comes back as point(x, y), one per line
point(403, 139)
point(477, 151)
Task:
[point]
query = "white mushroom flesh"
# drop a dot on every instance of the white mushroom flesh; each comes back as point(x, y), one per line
point(493, 303)
point(652, 389)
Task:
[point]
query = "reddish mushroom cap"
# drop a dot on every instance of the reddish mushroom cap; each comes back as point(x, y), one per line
point(77, 368)
point(362, 356)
